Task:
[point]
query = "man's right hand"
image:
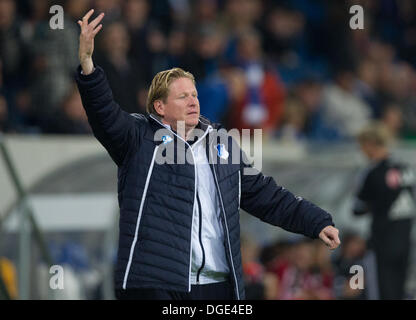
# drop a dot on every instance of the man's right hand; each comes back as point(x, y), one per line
point(86, 40)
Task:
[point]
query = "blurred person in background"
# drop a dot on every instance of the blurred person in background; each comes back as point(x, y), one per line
point(284, 41)
point(402, 83)
point(293, 122)
point(122, 72)
point(342, 108)
point(387, 191)
point(8, 277)
point(240, 15)
point(205, 11)
point(262, 104)
point(53, 60)
point(392, 118)
point(275, 255)
point(13, 52)
point(111, 8)
point(322, 269)
point(309, 92)
point(180, 11)
point(75, 8)
point(206, 61)
point(260, 284)
point(14, 58)
point(148, 41)
point(136, 16)
point(352, 253)
point(302, 277)
point(25, 118)
point(4, 121)
point(71, 118)
point(156, 56)
point(177, 46)
point(237, 17)
point(366, 86)
point(207, 48)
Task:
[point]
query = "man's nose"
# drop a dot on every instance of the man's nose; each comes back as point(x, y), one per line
point(193, 101)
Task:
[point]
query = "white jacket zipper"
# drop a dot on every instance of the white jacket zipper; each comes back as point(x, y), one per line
point(226, 226)
point(195, 191)
point(139, 216)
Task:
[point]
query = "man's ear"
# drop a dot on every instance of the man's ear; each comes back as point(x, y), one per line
point(159, 107)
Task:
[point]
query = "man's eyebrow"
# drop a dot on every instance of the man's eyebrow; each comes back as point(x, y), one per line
point(186, 92)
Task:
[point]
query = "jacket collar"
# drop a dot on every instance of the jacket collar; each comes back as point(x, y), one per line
point(203, 124)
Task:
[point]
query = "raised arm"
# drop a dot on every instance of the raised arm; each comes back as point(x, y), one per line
point(114, 128)
point(86, 40)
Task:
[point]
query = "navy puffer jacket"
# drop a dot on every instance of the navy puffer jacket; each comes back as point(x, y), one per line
point(157, 199)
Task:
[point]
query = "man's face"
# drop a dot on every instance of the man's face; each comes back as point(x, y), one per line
point(367, 149)
point(182, 104)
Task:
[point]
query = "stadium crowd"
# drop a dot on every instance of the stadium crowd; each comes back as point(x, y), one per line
point(297, 268)
point(294, 68)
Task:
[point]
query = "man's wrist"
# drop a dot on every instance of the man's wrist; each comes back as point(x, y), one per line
point(87, 67)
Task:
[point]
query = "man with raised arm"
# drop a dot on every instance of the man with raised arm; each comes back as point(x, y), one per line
point(179, 220)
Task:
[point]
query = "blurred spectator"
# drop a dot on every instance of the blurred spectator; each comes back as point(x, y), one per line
point(260, 284)
point(136, 16)
point(387, 192)
point(401, 81)
point(205, 11)
point(344, 110)
point(14, 58)
point(293, 122)
point(352, 253)
point(284, 27)
point(8, 275)
point(26, 119)
point(12, 49)
point(155, 57)
point(284, 41)
point(245, 55)
point(177, 47)
point(309, 92)
point(180, 11)
point(54, 58)
point(205, 62)
point(302, 277)
point(366, 86)
point(4, 123)
point(111, 8)
point(71, 118)
point(407, 45)
point(323, 270)
point(122, 72)
point(208, 48)
point(392, 118)
point(240, 15)
point(262, 104)
point(77, 9)
point(274, 255)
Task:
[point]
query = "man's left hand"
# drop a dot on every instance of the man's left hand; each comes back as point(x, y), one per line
point(329, 235)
